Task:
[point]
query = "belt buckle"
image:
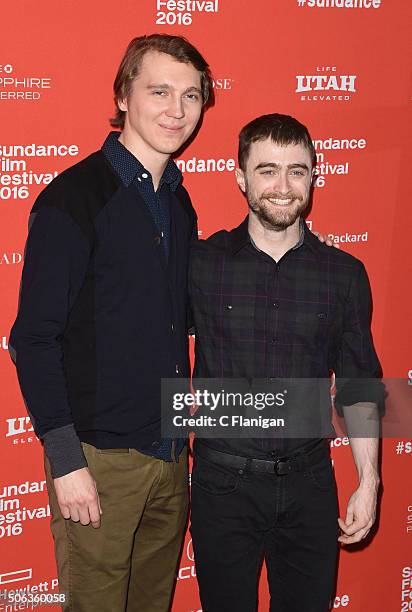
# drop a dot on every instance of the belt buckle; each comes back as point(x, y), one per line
point(281, 467)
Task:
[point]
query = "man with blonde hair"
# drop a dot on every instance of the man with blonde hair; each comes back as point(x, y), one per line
point(102, 319)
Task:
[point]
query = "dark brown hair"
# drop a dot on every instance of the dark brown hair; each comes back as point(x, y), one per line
point(281, 129)
point(177, 47)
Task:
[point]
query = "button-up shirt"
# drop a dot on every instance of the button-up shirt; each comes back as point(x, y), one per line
point(301, 317)
point(132, 171)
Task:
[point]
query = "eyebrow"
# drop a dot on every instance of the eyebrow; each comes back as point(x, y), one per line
point(167, 86)
point(278, 166)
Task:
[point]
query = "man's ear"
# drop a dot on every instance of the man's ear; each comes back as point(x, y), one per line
point(240, 178)
point(122, 104)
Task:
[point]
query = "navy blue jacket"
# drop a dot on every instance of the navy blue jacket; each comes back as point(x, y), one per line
point(102, 314)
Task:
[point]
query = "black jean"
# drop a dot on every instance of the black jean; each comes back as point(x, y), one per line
point(291, 520)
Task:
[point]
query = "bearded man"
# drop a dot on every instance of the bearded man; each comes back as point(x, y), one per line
point(270, 301)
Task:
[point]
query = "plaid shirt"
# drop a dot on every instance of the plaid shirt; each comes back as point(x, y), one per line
point(301, 317)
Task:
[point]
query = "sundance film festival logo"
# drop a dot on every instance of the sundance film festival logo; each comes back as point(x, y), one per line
point(16, 177)
point(13, 511)
point(17, 87)
point(326, 85)
point(180, 12)
point(326, 168)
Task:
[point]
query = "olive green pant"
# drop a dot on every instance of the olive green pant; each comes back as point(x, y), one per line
point(129, 563)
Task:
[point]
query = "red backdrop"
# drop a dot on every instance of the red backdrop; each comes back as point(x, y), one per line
point(341, 67)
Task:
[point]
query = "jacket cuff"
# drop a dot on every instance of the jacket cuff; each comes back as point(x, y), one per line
point(64, 450)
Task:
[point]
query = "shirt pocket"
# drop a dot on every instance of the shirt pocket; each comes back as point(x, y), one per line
point(231, 317)
point(310, 326)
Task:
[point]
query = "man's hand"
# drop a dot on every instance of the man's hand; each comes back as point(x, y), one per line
point(78, 498)
point(360, 513)
point(326, 240)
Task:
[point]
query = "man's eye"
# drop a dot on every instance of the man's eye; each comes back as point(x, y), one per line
point(158, 93)
point(193, 96)
point(298, 173)
point(267, 172)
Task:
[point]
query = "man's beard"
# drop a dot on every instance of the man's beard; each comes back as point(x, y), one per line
point(273, 216)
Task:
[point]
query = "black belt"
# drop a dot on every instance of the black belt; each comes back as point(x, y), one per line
point(280, 466)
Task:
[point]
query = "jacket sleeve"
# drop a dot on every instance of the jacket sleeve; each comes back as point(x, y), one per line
point(56, 261)
point(194, 236)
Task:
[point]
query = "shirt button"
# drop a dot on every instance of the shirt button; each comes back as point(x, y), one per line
point(173, 327)
point(275, 304)
point(274, 340)
point(156, 444)
point(144, 175)
point(158, 239)
point(228, 306)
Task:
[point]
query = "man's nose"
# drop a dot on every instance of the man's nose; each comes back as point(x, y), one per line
point(175, 108)
point(282, 182)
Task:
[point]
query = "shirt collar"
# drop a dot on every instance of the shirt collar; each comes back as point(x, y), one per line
point(129, 168)
point(239, 237)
